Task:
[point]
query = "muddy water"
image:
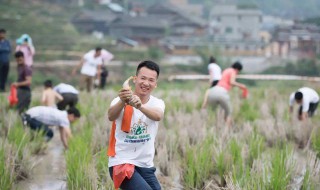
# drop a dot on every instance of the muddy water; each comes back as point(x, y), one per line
point(50, 171)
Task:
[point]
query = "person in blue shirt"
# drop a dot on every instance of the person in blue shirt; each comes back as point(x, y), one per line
point(5, 50)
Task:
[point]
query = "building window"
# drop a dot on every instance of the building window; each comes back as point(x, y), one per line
point(218, 19)
point(239, 17)
point(228, 30)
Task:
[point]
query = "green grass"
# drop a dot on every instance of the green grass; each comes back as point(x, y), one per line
point(281, 169)
point(78, 159)
point(198, 164)
point(316, 142)
point(7, 176)
point(256, 145)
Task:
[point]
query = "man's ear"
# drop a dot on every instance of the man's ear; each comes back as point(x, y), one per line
point(134, 79)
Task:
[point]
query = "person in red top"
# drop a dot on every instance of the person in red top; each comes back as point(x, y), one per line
point(218, 95)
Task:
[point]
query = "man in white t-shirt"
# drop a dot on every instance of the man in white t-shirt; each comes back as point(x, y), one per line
point(90, 68)
point(214, 72)
point(69, 94)
point(135, 147)
point(41, 117)
point(308, 100)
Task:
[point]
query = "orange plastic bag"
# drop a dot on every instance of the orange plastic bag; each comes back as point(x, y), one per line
point(245, 93)
point(13, 97)
point(120, 172)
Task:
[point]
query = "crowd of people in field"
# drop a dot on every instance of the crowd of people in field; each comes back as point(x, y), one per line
point(135, 114)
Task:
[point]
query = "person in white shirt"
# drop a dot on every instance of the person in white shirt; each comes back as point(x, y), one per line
point(41, 117)
point(90, 68)
point(135, 147)
point(69, 94)
point(214, 72)
point(308, 99)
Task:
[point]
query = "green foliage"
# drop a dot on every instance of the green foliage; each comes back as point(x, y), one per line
point(248, 112)
point(155, 53)
point(7, 178)
point(256, 145)
point(198, 165)
point(280, 170)
point(18, 137)
point(78, 159)
point(304, 67)
point(316, 142)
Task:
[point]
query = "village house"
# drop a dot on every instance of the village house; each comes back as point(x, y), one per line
point(161, 20)
point(299, 41)
point(236, 29)
point(89, 21)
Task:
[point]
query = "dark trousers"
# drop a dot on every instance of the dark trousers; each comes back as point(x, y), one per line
point(312, 109)
point(4, 70)
point(142, 179)
point(24, 99)
point(215, 82)
point(39, 126)
point(69, 99)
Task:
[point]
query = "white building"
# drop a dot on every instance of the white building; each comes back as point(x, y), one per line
point(233, 23)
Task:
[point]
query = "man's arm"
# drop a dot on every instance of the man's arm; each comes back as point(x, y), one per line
point(65, 135)
point(27, 82)
point(115, 110)
point(78, 66)
point(234, 83)
point(304, 116)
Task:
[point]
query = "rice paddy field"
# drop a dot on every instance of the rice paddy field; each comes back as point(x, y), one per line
point(264, 150)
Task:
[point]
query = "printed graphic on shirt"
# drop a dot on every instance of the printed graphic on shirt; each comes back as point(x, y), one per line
point(138, 133)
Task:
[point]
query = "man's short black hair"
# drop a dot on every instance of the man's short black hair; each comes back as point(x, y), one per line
point(212, 60)
point(298, 96)
point(18, 54)
point(237, 65)
point(74, 111)
point(48, 83)
point(2, 30)
point(98, 48)
point(150, 65)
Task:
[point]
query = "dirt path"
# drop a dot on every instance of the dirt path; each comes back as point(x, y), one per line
point(50, 171)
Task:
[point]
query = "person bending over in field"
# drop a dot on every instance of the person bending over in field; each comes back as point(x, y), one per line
point(39, 118)
point(69, 94)
point(135, 117)
point(49, 96)
point(218, 95)
point(308, 99)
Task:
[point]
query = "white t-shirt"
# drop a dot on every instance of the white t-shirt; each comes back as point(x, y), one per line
point(49, 116)
point(90, 64)
point(308, 96)
point(136, 147)
point(65, 88)
point(214, 71)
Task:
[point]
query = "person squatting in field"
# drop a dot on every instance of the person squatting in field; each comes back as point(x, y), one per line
point(218, 95)
point(308, 99)
point(49, 96)
point(69, 94)
point(40, 118)
point(135, 116)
